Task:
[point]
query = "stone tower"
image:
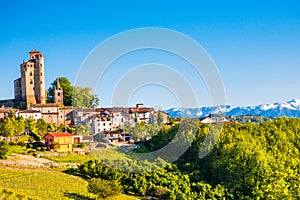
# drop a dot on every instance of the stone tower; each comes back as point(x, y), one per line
point(30, 88)
point(58, 93)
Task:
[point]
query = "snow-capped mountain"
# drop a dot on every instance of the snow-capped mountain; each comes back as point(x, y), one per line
point(289, 109)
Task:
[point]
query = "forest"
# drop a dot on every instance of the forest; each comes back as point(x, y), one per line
point(244, 161)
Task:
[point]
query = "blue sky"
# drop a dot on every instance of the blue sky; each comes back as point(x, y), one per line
point(255, 44)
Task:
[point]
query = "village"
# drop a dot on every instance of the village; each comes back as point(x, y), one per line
point(106, 125)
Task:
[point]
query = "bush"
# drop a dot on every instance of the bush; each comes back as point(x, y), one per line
point(3, 149)
point(104, 188)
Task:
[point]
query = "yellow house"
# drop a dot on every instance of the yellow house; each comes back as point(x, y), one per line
point(64, 141)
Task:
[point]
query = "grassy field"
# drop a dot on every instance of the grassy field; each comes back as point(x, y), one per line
point(102, 154)
point(72, 158)
point(18, 183)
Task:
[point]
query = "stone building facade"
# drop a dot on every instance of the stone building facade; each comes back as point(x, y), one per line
point(30, 87)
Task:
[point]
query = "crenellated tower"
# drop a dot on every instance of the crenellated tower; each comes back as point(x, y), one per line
point(30, 88)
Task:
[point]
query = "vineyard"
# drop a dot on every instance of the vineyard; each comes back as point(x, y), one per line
point(44, 184)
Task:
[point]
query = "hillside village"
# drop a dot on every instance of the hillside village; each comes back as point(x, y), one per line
point(30, 101)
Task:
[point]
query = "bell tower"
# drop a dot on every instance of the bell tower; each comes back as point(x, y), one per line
point(58, 93)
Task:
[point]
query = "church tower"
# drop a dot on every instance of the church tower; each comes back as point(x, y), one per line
point(58, 93)
point(30, 88)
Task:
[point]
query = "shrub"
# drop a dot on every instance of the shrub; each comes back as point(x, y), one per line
point(104, 188)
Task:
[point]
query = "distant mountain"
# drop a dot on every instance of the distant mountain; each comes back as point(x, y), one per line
point(288, 109)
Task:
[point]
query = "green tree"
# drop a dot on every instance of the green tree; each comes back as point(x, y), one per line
point(42, 127)
point(3, 149)
point(83, 129)
point(19, 124)
point(159, 118)
point(83, 98)
point(104, 188)
point(8, 129)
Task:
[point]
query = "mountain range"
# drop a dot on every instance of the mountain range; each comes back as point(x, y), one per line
point(289, 109)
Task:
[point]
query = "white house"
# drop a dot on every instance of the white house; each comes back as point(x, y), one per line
point(35, 114)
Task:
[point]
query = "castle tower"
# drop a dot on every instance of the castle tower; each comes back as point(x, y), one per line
point(30, 88)
point(58, 93)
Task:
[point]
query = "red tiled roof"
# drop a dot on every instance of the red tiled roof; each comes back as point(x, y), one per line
point(139, 110)
point(60, 134)
point(29, 111)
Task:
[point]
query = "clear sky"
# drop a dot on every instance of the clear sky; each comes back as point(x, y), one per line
point(255, 44)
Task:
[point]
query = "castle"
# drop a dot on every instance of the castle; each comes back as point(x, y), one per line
point(30, 87)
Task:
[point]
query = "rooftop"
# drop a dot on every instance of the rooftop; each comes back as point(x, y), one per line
point(60, 134)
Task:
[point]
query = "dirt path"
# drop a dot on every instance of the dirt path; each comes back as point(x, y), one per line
point(28, 161)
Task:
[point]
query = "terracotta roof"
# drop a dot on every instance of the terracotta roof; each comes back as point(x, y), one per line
point(139, 110)
point(29, 111)
point(45, 105)
point(60, 134)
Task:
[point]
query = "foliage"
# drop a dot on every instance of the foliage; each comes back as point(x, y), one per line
point(55, 145)
point(104, 188)
point(83, 98)
point(159, 118)
point(248, 161)
point(79, 97)
point(83, 129)
point(3, 149)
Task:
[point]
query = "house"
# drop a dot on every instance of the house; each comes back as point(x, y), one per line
point(62, 138)
point(163, 116)
point(76, 139)
point(35, 114)
point(140, 114)
point(54, 113)
point(87, 139)
point(207, 120)
point(103, 122)
point(6, 112)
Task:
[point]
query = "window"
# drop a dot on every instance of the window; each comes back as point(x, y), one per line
point(58, 94)
point(31, 82)
point(41, 65)
point(41, 82)
point(98, 129)
point(103, 124)
point(30, 74)
point(110, 124)
point(41, 74)
point(51, 140)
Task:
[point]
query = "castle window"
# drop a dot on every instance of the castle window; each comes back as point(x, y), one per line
point(41, 82)
point(30, 73)
point(31, 82)
point(41, 74)
point(41, 65)
point(58, 94)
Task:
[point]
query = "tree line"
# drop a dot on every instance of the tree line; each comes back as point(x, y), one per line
point(248, 161)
